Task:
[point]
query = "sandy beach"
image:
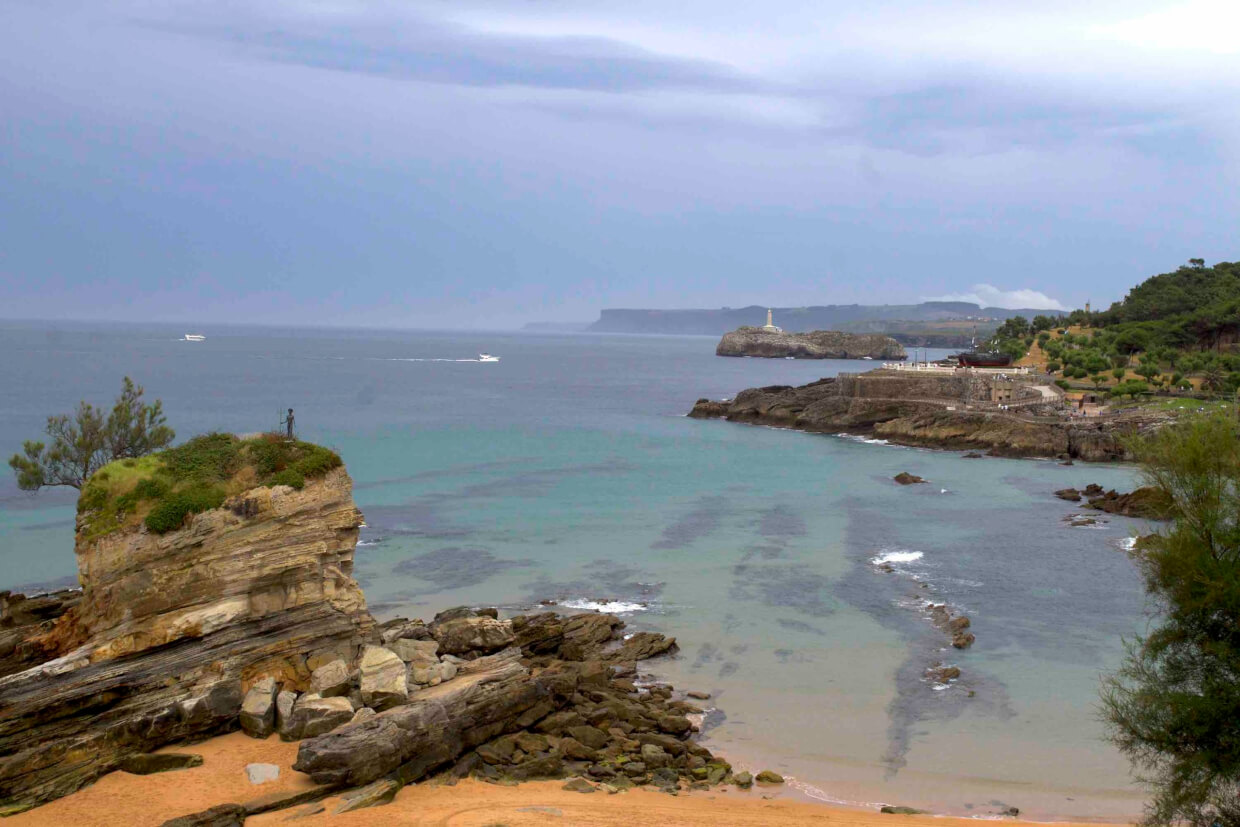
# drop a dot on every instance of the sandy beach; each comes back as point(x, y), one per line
point(123, 800)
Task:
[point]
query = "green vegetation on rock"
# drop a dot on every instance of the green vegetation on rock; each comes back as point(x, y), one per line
point(163, 489)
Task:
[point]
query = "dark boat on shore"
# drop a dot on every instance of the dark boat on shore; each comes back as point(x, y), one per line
point(983, 359)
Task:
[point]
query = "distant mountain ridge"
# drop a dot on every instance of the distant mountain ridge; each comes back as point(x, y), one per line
point(796, 319)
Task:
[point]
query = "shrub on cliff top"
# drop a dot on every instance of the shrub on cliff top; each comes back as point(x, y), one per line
point(170, 512)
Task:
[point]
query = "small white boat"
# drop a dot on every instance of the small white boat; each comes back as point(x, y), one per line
point(868, 358)
point(195, 337)
point(486, 357)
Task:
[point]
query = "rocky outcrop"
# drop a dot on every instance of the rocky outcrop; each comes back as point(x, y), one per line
point(173, 630)
point(1146, 503)
point(818, 344)
point(905, 478)
point(919, 411)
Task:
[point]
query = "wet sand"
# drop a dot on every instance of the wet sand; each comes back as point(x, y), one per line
point(124, 800)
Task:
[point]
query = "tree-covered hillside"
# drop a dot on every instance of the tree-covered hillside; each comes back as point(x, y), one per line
point(1193, 308)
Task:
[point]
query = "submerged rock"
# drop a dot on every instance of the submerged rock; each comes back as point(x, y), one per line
point(905, 478)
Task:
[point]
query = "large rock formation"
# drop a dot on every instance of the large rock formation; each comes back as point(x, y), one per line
point(817, 344)
point(927, 411)
point(172, 630)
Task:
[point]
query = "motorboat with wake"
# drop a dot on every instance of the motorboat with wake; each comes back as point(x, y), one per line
point(486, 357)
point(194, 337)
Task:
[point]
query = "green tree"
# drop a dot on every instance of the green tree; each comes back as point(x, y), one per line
point(1053, 366)
point(1098, 379)
point(1118, 373)
point(1172, 706)
point(84, 442)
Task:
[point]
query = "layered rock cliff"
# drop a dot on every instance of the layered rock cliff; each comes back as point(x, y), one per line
point(918, 411)
point(172, 629)
point(817, 344)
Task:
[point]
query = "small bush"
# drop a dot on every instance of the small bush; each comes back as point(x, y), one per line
point(170, 513)
point(290, 477)
point(318, 461)
point(127, 502)
point(92, 498)
point(210, 458)
point(150, 489)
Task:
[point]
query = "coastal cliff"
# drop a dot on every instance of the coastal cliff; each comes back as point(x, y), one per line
point(240, 611)
point(919, 410)
point(818, 344)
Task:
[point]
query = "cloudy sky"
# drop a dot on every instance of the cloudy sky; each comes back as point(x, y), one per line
point(473, 164)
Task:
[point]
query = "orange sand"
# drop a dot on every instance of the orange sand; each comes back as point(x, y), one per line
point(123, 800)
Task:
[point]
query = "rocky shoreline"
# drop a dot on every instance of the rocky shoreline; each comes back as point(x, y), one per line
point(247, 617)
point(816, 344)
point(921, 412)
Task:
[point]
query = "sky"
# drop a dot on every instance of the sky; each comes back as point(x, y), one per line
point(471, 164)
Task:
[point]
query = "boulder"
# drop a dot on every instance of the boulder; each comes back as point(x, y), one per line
point(285, 725)
point(573, 749)
point(261, 773)
point(363, 714)
point(905, 478)
point(963, 640)
point(900, 811)
point(153, 762)
point(372, 795)
point(492, 695)
point(223, 815)
point(642, 646)
point(466, 635)
point(654, 757)
point(331, 679)
point(401, 629)
point(769, 777)
point(1069, 494)
point(675, 724)
point(416, 651)
point(578, 785)
point(382, 678)
point(590, 736)
point(258, 709)
point(315, 716)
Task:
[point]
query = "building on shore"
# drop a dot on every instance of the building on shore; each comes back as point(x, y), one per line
point(770, 327)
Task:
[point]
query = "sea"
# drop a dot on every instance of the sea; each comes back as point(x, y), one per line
point(796, 576)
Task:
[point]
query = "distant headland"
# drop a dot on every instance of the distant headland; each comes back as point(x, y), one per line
point(911, 324)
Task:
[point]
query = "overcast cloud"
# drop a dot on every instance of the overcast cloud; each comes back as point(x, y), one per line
point(484, 164)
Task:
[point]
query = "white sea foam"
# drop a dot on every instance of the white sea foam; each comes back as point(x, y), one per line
point(368, 542)
point(897, 557)
point(1128, 543)
point(614, 607)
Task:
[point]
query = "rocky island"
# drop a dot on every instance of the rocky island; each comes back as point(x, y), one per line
point(772, 343)
point(217, 594)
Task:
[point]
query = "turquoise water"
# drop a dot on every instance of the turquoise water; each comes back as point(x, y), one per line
point(568, 472)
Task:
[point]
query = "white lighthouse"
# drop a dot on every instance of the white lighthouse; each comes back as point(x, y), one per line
point(770, 327)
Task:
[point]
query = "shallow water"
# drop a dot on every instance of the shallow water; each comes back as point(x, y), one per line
point(567, 471)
